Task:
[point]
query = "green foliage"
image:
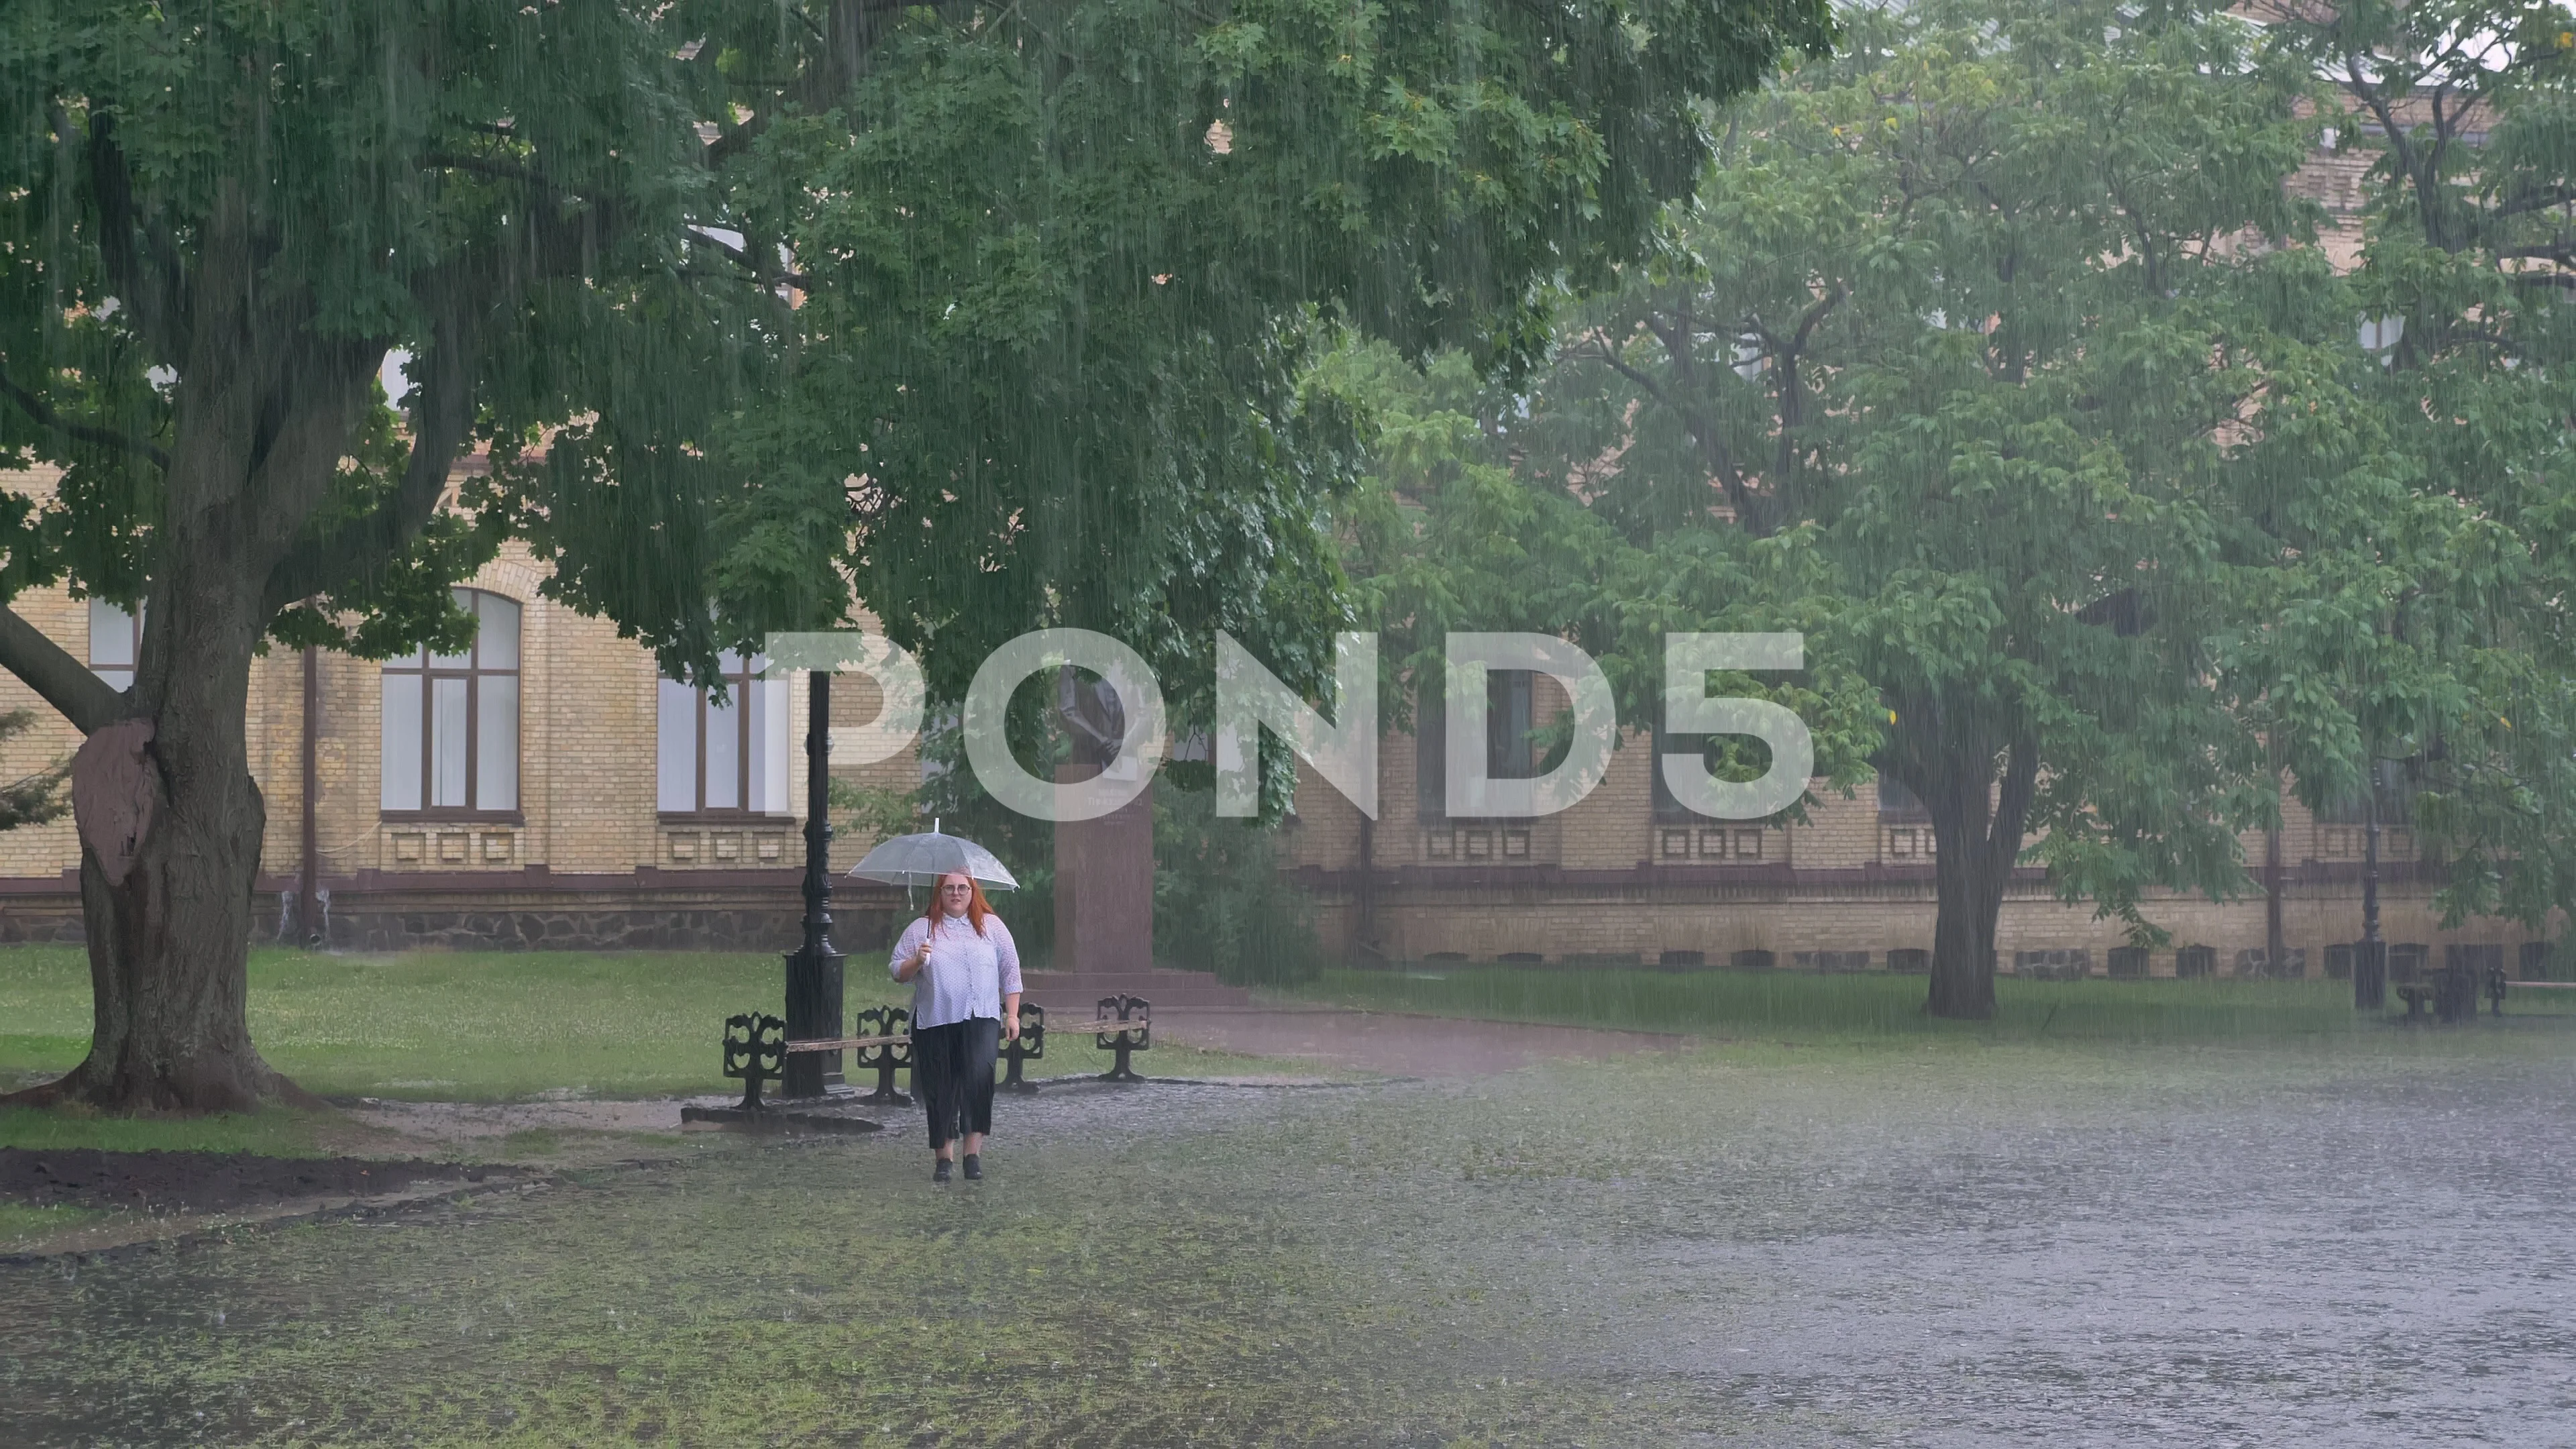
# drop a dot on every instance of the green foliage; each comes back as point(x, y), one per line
point(454, 182)
point(1994, 355)
point(2432, 645)
point(444, 1026)
point(875, 812)
point(1987, 356)
point(1065, 264)
point(1456, 530)
point(38, 797)
point(1948, 323)
point(1057, 266)
point(979, 317)
point(1221, 901)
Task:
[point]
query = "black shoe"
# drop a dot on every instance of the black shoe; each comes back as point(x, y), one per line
point(974, 1168)
point(940, 1172)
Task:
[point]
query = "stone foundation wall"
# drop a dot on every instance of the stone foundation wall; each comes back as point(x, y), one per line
point(35, 922)
point(767, 917)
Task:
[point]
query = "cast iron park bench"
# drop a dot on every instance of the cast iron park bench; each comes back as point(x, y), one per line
point(1028, 1046)
point(1123, 1024)
point(886, 1034)
point(889, 1046)
point(2452, 989)
point(2450, 992)
point(756, 1047)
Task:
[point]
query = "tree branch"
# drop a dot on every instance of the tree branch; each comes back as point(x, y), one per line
point(440, 424)
point(2012, 803)
point(1609, 356)
point(43, 412)
point(2530, 201)
point(2561, 252)
point(155, 290)
point(847, 37)
point(1793, 401)
point(1677, 342)
point(2441, 124)
point(59, 679)
point(1815, 313)
point(736, 140)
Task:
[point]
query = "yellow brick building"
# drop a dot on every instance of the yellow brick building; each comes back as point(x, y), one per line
point(1617, 880)
point(545, 789)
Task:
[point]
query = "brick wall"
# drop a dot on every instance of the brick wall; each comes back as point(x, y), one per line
point(588, 860)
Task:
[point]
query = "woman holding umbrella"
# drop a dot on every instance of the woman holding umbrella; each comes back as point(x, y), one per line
point(965, 975)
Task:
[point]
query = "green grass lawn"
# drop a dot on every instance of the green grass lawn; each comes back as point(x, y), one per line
point(464, 1026)
point(475, 1026)
point(1877, 1006)
point(490, 1026)
point(21, 1225)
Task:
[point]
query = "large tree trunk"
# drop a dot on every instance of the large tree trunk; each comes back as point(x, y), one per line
point(169, 927)
point(1977, 828)
point(171, 821)
point(1963, 932)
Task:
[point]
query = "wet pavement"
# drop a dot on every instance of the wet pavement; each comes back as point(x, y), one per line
point(2355, 1266)
point(1397, 1044)
point(1959, 1247)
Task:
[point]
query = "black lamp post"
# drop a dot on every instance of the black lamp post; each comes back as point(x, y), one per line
point(814, 968)
point(2370, 963)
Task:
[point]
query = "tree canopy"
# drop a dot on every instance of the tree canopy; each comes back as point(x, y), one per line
point(2434, 650)
point(1995, 354)
point(978, 316)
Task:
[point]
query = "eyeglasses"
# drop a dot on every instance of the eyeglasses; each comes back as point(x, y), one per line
point(957, 888)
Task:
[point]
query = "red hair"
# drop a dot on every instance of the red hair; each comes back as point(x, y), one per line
point(976, 906)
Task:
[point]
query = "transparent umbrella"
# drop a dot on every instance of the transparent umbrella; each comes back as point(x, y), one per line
point(920, 860)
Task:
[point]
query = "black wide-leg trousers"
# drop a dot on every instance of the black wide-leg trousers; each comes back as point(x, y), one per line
point(952, 1073)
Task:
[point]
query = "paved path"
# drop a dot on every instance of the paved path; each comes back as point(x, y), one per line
point(1195, 1008)
point(1397, 1044)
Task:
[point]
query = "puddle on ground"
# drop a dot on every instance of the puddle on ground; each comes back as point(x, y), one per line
point(2013, 1248)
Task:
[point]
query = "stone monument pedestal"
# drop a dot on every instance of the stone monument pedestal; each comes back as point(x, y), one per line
point(1104, 885)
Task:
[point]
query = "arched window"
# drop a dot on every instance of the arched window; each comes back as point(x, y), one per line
point(451, 732)
point(729, 756)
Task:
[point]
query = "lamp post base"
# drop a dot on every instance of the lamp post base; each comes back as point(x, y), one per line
point(813, 1014)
